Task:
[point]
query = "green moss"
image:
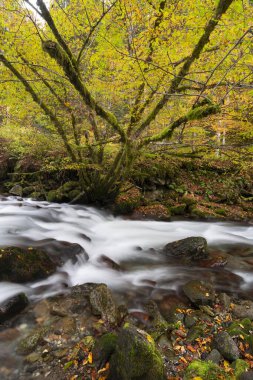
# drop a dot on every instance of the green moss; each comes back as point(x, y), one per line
point(220, 211)
point(207, 370)
point(136, 357)
point(239, 366)
point(178, 209)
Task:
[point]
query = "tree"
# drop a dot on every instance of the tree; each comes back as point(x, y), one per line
point(107, 75)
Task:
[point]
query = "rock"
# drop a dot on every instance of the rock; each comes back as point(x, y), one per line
point(246, 376)
point(13, 306)
point(226, 346)
point(195, 332)
point(204, 370)
point(243, 310)
point(135, 357)
point(193, 248)
point(16, 190)
point(240, 366)
point(225, 300)
point(102, 303)
point(152, 212)
point(103, 349)
point(214, 356)
point(24, 264)
point(199, 292)
point(109, 262)
point(27, 345)
point(159, 324)
point(33, 357)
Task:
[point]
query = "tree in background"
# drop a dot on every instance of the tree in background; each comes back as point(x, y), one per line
point(111, 78)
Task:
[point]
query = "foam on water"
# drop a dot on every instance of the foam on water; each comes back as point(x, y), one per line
point(23, 223)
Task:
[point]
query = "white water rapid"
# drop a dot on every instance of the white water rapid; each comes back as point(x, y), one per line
point(129, 243)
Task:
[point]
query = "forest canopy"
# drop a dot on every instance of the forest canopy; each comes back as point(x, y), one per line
point(104, 81)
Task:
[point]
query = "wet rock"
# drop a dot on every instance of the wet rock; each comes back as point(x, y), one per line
point(226, 346)
point(192, 248)
point(159, 324)
point(65, 326)
point(13, 306)
point(28, 344)
point(214, 356)
point(135, 357)
point(24, 264)
point(199, 292)
point(171, 308)
point(61, 251)
point(16, 190)
point(109, 262)
point(204, 370)
point(33, 357)
point(243, 310)
point(190, 321)
point(102, 303)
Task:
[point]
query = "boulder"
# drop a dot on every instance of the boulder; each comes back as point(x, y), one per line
point(214, 356)
point(199, 292)
point(226, 346)
point(102, 303)
point(16, 190)
point(13, 306)
point(135, 357)
point(192, 248)
point(24, 264)
point(243, 310)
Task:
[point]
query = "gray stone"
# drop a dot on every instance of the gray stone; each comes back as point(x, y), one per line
point(199, 292)
point(226, 346)
point(244, 310)
point(214, 356)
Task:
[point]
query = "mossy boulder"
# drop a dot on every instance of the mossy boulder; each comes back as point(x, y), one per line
point(189, 199)
point(24, 264)
point(178, 209)
point(104, 348)
point(128, 199)
point(240, 366)
point(135, 357)
point(206, 370)
point(191, 248)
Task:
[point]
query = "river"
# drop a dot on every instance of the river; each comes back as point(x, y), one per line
point(134, 245)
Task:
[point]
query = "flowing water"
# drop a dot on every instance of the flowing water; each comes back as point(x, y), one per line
point(134, 245)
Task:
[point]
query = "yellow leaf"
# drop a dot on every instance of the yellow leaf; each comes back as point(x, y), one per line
point(90, 358)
